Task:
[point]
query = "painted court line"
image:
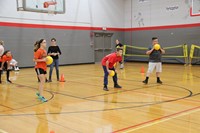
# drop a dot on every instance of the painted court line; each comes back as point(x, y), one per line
point(2, 131)
point(158, 120)
point(166, 97)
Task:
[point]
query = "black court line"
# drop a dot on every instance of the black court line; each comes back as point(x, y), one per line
point(30, 87)
point(117, 108)
point(187, 90)
point(190, 95)
point(89, 111)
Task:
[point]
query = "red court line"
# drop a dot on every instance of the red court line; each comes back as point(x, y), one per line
point(153, 120)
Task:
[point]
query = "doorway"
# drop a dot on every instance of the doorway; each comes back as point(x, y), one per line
point(102, 45)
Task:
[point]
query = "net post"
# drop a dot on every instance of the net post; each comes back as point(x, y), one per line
point(124, 52)
point(185, 52)
point(191, 54)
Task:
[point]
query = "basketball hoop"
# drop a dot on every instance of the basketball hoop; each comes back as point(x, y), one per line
point(48, 3)
point(51, 7)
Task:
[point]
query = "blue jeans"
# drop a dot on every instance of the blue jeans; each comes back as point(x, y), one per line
point(106, 76)
point(56, 64)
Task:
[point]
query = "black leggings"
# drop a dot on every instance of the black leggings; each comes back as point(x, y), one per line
point(6, 69)
point(7, 74)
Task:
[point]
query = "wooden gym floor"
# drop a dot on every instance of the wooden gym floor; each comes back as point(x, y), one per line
point(79, 105)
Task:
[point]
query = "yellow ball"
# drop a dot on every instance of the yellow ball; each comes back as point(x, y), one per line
point(156, 46)
point(49, 60)
point(112, 73)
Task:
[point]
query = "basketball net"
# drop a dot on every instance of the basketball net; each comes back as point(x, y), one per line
point(51, 7)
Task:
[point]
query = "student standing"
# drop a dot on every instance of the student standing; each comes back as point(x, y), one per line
point(119, 45)
point(1, 48)
point(54, 51)
point(154, 61)
point(41, 67)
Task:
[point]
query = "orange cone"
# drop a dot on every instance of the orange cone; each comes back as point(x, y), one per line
point(62, 78)
point(52, 132)
point(142, 70)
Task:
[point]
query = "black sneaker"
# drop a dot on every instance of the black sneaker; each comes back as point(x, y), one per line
point(117, 86)
point(105, 88)
point(9, 81)
point(159, 81)
point(145, 82)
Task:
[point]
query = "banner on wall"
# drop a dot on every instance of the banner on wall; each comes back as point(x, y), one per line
point(172, 8)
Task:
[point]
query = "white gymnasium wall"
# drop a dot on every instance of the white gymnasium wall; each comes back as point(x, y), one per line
point(96, 13)
point(145, 13)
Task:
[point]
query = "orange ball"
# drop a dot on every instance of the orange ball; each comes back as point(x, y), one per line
point(156, 46)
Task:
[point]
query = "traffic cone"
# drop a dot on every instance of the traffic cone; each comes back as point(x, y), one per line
point(52, 132)
point(62, 78)
point(142, 70)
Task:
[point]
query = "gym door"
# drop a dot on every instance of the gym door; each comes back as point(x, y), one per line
point(102, 45)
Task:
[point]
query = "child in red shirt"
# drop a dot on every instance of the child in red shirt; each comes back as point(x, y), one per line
point(108, 63)
point(5, 64)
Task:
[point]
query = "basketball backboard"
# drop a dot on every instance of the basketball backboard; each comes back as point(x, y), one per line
point(42, 6)
point(195, 8)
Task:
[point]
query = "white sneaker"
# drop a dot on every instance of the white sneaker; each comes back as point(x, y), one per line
point(10, 68)
point(16, 68)
point(121, 66)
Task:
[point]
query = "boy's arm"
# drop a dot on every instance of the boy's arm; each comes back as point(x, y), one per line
point(107, 66)
point(149, 51)
point(162, 50)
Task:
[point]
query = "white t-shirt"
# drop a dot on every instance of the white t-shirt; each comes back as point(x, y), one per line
point(13, 62)
point(1, 50)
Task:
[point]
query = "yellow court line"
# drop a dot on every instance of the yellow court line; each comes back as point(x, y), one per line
point(162, 120)
point(2, 131)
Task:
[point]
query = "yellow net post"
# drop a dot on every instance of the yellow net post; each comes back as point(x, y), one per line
point(185, 53)
point(124, 52)
point(191, 54)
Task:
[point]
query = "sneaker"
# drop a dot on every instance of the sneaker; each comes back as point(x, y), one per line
point(105, 88)
point(9, 81)
point(16, 68)
point(121, 66)
point(117, 86)
point(145, 82)
point(38, 94)
point(159, 81)
point(43, 99)
point(49, 80)
point(11, 68)
point(58, 80)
